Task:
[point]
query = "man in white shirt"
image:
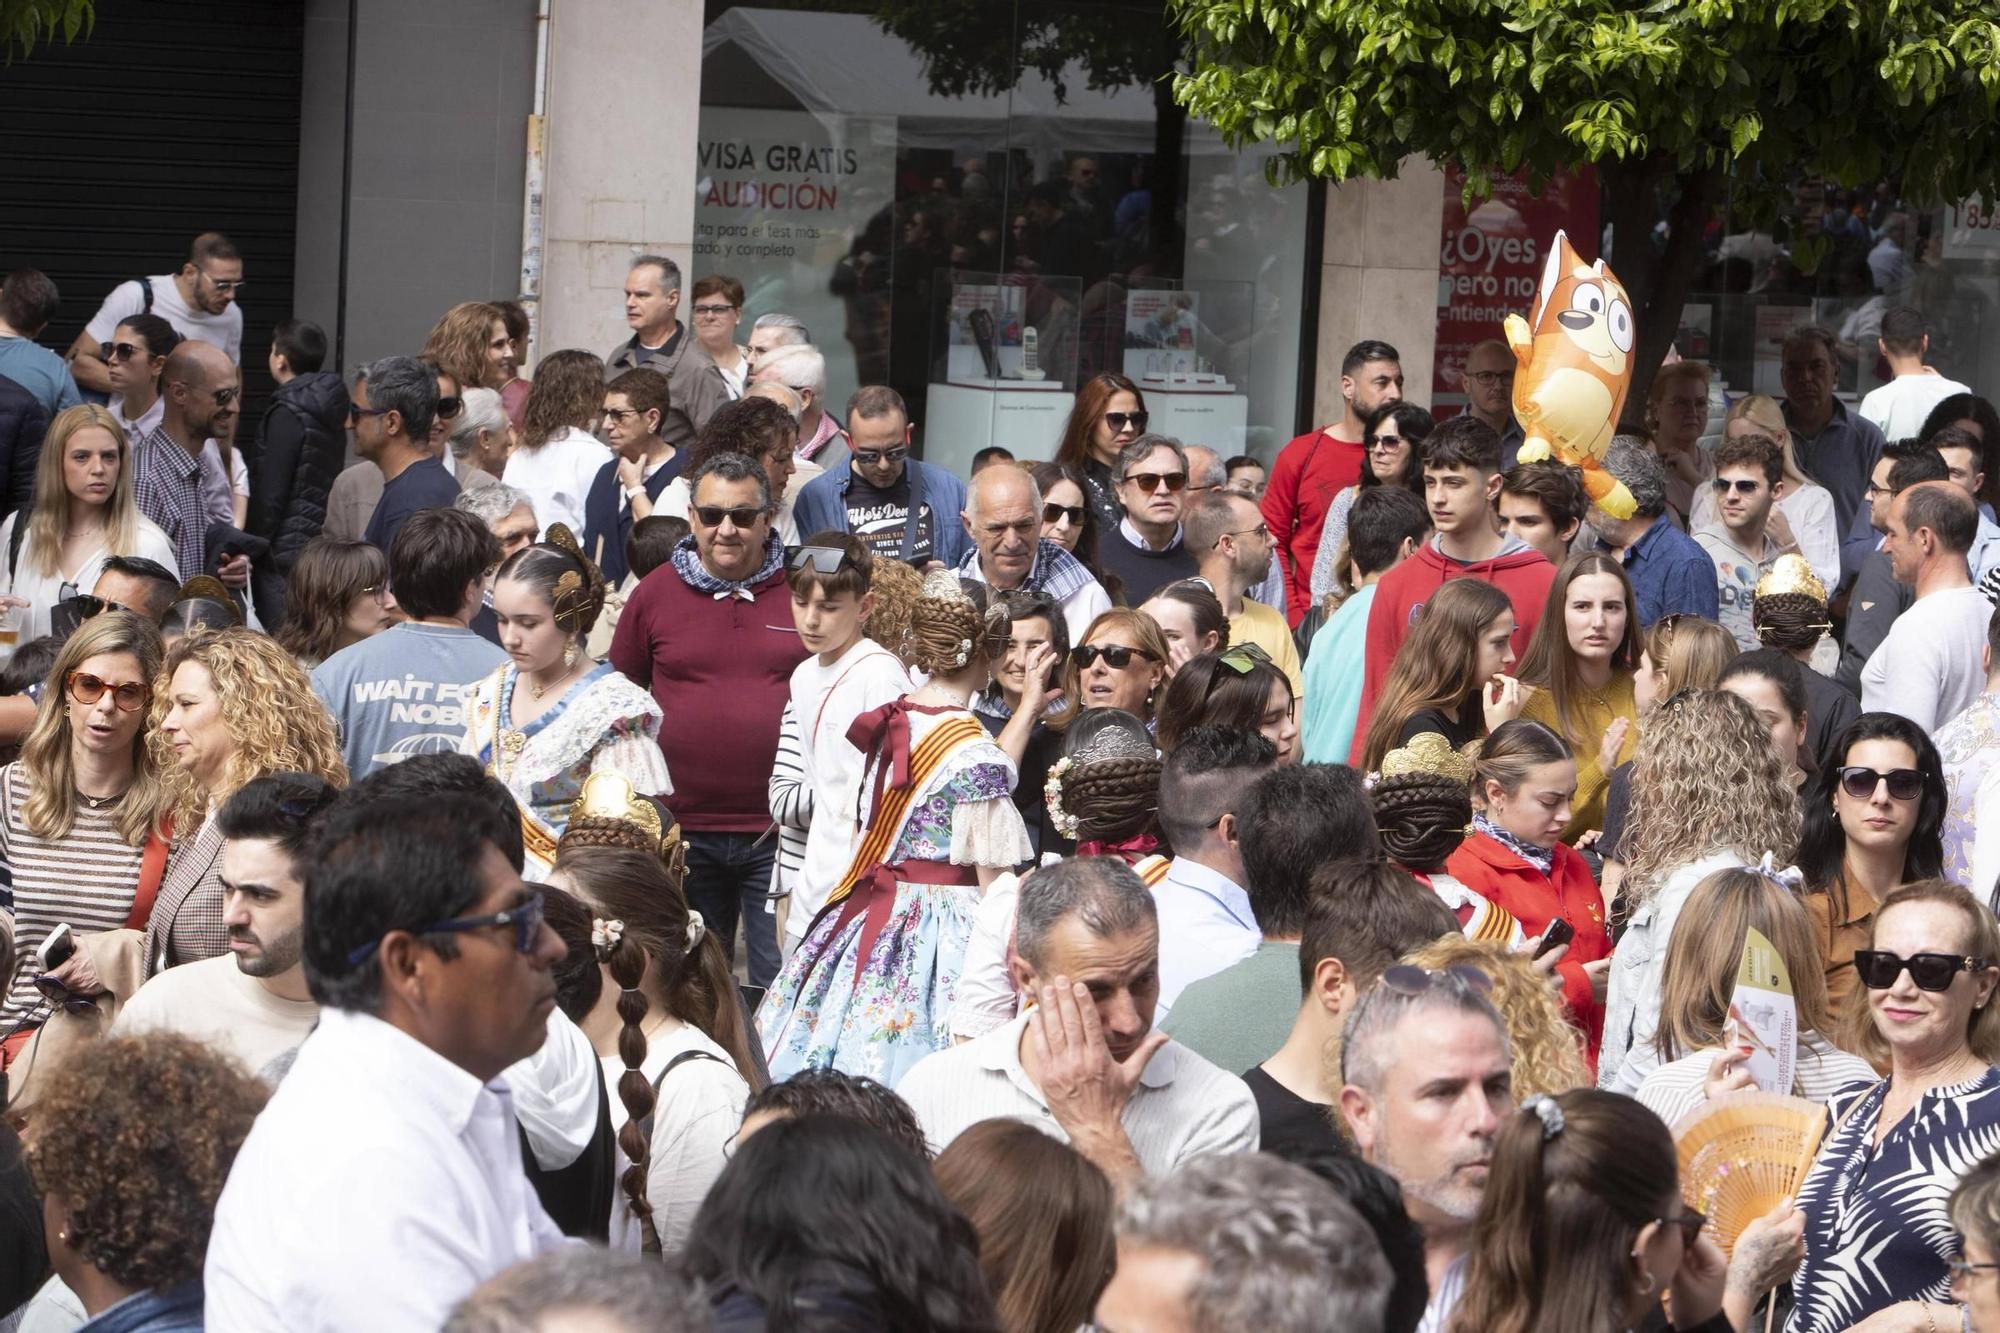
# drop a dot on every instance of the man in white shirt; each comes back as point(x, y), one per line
point(253, 1001)
point(384, 1181)
point(1738, 540)
point(1928, 667)
point(1003, 516)
point(1204, 911)
point(199, 301)
point(1084, 1062)
point(1901, 406)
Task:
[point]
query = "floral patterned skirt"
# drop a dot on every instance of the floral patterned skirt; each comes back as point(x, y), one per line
point(874, 1016)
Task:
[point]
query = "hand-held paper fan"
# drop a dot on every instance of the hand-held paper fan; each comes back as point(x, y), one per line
point(1742, 1153)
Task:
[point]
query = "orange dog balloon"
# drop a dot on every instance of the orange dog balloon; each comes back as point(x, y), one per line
point(1575, 367)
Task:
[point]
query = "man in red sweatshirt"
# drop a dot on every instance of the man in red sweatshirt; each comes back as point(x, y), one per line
point(1461, 483)
point(1319, 465)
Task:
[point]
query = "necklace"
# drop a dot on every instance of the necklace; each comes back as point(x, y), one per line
point(98, 802)
point(537, 691)
point(964, 701)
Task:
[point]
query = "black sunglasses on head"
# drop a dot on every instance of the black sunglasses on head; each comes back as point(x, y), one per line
point(1905, 784)
point(1878, 968)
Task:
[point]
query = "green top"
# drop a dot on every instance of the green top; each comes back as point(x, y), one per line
point(1238, 1018)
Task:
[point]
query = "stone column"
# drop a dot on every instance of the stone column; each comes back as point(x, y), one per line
point(1379, 277)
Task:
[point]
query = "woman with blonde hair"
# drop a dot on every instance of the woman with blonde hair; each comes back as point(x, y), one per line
point(1121, 662)
point(1544, 1047)
point(556, 457)
point(470, 344)
point(1582, 663)
point(1449, 677)
point(77, 809)
point(1698, 1042)
point(1676, 416)
point(1709, 793)
point(1804, 513)
point(229, 706)
point(81, 515)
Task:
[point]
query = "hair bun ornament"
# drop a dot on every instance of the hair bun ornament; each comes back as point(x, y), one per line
point(1548, 1111)
point(609, 798)
point(1115, 743)
point(696, 929)
point(207, 586)
point(1791, 575)
point(604, 935)
point(1428, 752)
point(942, 585)
point(1064, 822)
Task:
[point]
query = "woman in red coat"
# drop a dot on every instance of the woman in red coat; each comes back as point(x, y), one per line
point(1525, 780)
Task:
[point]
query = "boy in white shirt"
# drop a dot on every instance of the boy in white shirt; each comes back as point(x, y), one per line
point(848, 675)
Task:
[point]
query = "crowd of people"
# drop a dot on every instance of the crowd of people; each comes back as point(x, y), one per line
point(638, 849)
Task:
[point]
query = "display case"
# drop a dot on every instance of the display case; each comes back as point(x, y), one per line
point(1005, 367)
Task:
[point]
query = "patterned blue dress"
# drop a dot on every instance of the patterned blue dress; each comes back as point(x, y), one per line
point(869, 989)
point(1876, 1227)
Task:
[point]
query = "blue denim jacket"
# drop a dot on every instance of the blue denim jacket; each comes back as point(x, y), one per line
point(175, 1310)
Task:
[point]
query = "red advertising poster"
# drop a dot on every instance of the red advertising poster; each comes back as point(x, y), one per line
point(1490, 259)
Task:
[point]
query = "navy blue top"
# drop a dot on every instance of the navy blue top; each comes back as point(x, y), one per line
point(1671, 575)
point(424, 484)
point(607, 519)
point(175, 1310)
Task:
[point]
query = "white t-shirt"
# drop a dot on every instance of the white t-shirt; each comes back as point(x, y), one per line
point(826, 700)
point(1899, 407)
point(557, 476)
point(1928, 668)
point(698, 1111)
point(214, 1001)
point(224, 330)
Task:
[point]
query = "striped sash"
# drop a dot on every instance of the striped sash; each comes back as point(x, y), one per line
point(885, 823)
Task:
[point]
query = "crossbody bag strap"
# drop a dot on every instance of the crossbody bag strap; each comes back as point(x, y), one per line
point(646, 1125)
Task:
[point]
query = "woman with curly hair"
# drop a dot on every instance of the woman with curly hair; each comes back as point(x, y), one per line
point(229, 706)
point(1120, 662)
point(1393, 435)
point(470, 343)
point(1240, 688)
point(868, 988)
point(1109, 414)
point(132, 1144)
point(1709, 792)
point(77, 810)
point(337, 594)
point(1544, 1047)
point(1580, 665)
point(553, 715)
point(666, 1023)
point(557, 457)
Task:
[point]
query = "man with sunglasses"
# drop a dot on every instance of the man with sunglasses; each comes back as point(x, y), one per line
point(1928, 667)
point(28, 301)
point(711, 634)
point(394, 402)
point(643, 466)
point(1748, 470)
point(199, 301)
point(1148, 549)
point(385, 1178)
point(885, 497)
point(200, 387)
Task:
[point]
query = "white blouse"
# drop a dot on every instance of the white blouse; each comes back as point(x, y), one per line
point(43, 591)
point(557, 476)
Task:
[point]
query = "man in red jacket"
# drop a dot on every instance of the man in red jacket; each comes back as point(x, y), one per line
point(711, 634)
point(1461, 484)
point(1320, 464)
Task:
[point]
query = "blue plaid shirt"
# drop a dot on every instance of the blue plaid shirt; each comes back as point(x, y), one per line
point(166, 483)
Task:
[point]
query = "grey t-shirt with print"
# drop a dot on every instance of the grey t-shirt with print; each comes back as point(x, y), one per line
point(403, 692)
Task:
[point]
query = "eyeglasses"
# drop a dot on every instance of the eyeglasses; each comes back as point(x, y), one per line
point(1741, 485)
point(1054, 513)
point(1905, 784)
point(1690, 1222)
point(825, 560)
point(1410, 980)
point(1878, 968)
point(1150, 482)
point(525, 918)
point(1962, 1268)
point(1116, 655)
point(1384, 443)
point(116, 352)
point(877, 457)
point(223, 284)
point(1261, 530)
point(618, 414)
point(88, 604)
point(712, 311)
point(58, 994)
point(354, 411)
point(449, 407)
point(87, 689)
point(379, 591)
point(1486, 379)
point(1118, 421)
point(711, 516)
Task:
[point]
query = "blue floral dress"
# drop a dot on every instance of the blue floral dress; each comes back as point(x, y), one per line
point(869, 989)
point(1877, 1231)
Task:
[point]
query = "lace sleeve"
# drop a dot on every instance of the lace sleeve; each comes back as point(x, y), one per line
point(989, 833)
point(636, 755)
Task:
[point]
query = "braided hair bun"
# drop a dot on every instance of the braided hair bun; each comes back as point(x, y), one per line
point(558, 570)
point(1112, 784)
point(947, 628)
point(1792, 621)
point(1421, 818)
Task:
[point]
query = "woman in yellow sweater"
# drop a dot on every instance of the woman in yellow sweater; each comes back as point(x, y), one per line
point(1580, 666)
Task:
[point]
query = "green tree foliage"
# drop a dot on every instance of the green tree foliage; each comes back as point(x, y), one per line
point(23, 23)
point(1668, 100)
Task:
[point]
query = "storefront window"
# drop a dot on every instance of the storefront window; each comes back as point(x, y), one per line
point(983, 252)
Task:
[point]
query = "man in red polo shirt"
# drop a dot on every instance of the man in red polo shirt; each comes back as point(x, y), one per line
point(1320, 464)
point(711, 634)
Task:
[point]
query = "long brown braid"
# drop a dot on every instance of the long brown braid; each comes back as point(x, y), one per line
point(626, 960)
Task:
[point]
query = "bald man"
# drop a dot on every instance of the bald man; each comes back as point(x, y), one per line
point(1003, 516)
point(1489, 395)
point(200, 389)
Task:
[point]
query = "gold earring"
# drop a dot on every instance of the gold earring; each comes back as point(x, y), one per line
point(569, 654)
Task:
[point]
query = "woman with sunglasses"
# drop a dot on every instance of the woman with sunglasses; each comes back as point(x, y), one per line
point(229, 706)
point(1393, 435)
point(134, 358)
point(77, 810)
point(1071, 522)
point(1110, 413)
point(82, 514)
point(1121, 663)
point(1240, 688)
point(554, 715)
point(1580, 665)
point(1874, 816)
point(1896, 1148)
point(337, 595)
point(557, 458)
point(1581, 1227)
point(1450, 677)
